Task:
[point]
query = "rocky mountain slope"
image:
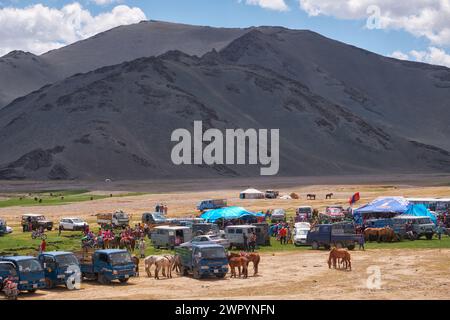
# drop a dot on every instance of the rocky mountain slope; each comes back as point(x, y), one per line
point(116, 122)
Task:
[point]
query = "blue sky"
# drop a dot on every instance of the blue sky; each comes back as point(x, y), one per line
point(351, 29)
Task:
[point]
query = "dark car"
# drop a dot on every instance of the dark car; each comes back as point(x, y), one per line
point(32, 222)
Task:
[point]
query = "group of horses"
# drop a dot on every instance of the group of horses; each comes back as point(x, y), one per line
point(312, 196)
point(385, 234)
point(168, 263)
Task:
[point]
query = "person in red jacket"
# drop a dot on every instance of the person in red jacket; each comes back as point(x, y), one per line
point(43, 246)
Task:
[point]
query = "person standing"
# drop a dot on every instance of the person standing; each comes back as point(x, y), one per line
point(361, 242)
point(245, 241)
point(283, 234)
point(142, 248)
point(43, 246)
point(252, 241)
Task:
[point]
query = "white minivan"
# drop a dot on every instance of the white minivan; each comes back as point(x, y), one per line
point(72, 224)
point(235, 234)
point(300, 233)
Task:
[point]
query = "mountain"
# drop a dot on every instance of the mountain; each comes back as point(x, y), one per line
point(22, 73)
point(410, 99)
point(116, 122)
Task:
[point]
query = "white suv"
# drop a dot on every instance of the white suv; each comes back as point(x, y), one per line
point(72, 224)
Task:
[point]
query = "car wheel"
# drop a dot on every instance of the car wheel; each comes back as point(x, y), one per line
point(197, 274)
point(429, 236)
point(32, 290)
point(339, 245)
point(103, 280)
point(124, 280)
point(351, 247)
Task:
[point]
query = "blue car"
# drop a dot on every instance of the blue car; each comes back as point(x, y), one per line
point(30, 272)
point(60, 268)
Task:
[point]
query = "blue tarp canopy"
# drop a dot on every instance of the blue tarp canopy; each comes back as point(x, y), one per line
point(385, 205)
point(419, 210)
point(228, 213)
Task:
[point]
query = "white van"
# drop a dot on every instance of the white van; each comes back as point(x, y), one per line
point(301, 230)
point(236, 235)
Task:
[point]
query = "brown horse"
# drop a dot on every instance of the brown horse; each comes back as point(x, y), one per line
point(238, 262)
point(177, 264)
point(372, 233)
point(127, 243)
point(311, 196)
point(136, 263)
point(336, 254)
point(251, 257)
point(386, 234)
point(329, 196)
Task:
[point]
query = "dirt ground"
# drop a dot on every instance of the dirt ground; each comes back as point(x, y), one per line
point(405, 274)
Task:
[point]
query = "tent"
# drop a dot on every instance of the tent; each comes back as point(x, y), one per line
point(419, 210)
point(252, 194)
point(229, 213)
point(384, 207)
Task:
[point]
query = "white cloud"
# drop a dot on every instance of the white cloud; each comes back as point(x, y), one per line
point(278, 5)
point(39, 28)
point(432, 55)
point(427, 18)
point(399, 55)
point(105, 2)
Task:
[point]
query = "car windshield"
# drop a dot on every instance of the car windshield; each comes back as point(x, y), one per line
point(66, 260)
point(77, 221)
point(213, 253)
point(304, 210)
point(278, 212)
point(2, 222)
point(118, 259)
point(30, 265)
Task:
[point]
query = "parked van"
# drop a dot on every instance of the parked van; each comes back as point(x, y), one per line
point(211, 204)
point(170, 236)
point(421, 226)
point(301, 230)
point(236, 235)
point(303, 213)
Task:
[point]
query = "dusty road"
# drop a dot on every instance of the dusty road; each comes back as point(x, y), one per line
point(405, 274)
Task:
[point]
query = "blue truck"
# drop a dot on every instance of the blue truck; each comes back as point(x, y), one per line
point(340, 235)
point(30, 272)
point(60, 268)
point(203, 260)
point(107, 266)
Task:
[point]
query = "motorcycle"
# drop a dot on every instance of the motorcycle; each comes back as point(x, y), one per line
point(10, 289)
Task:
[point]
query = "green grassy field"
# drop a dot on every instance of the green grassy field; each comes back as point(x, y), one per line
point(55, 197)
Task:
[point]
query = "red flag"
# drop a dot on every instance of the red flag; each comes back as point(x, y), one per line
point(354, 198)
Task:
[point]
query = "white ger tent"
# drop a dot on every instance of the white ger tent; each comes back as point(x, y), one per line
point(252, 194)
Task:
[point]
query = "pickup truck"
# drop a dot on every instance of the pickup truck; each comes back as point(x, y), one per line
point(30, 272)
point(203, 260)
point(61, 268)
point(107, 265)
point(339, 235)
point(116, 220)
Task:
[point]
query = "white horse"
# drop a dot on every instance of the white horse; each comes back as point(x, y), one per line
point(161, 262)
